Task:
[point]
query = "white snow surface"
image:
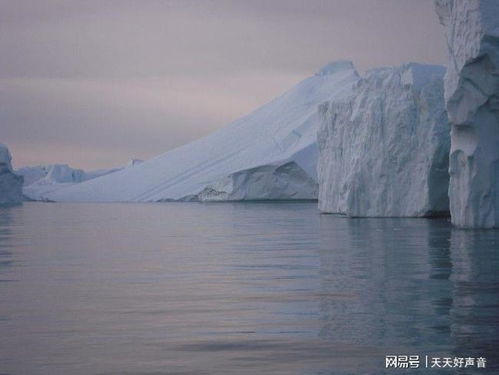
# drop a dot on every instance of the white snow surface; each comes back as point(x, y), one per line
point(245, 160)
point(472, 99)
point(383, 152)
point(10, 183)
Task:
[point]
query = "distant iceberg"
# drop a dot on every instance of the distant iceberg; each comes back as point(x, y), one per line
point(270, 153)
point(42, 179)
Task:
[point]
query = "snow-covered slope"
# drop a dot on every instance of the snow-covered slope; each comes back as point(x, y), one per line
point(384, 150)
point(244, 160)
point(472, 97)
point(10, 183)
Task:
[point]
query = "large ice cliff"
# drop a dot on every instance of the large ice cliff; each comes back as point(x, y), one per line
point(472, 99)
point(270, 153)
point(383, 152)
point(10, 183)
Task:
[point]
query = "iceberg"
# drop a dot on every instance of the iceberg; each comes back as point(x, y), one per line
point(270, 153)
point(59, 173)
point(472, 99)
point(32, 174)
point(43, 179)
point(383, 151)
point(10, 183)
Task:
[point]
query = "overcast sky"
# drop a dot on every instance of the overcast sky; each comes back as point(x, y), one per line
point(95, 83)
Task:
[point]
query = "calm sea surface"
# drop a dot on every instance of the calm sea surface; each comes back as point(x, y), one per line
point(244, 288)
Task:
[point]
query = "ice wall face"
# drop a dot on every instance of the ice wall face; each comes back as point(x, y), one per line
point(249, 159)
point(286, 181)
point(10, 183)
point(472, 99)
point(384, 150)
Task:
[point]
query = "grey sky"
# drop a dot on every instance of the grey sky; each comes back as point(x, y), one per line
point(95, 83)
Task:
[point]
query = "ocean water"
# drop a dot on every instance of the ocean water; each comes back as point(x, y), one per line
point(240, 288)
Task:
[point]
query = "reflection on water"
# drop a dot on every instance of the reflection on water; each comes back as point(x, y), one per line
point(257, 288)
